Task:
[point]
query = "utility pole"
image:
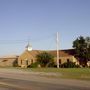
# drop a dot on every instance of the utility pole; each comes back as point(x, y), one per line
point(57, 50)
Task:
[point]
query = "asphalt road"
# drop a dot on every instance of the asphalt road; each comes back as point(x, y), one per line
point(18, 80)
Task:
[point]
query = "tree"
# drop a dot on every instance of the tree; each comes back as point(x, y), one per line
point(45, 59)
point(87, 39)
point(82, 49)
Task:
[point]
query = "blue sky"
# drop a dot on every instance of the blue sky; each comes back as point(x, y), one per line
point(39, 20)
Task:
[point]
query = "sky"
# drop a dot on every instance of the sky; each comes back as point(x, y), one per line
point(37, 21)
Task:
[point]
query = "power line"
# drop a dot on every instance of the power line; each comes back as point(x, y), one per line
point(25, 40)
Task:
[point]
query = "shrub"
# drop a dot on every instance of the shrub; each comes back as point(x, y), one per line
point(45, 59)
point(69, 65)
point(34, 65)
point(51, 64)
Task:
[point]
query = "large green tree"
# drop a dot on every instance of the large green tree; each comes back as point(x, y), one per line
point(45, 59)
point(82, 49)
point(87, 39)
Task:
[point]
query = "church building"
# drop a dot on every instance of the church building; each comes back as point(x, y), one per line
point(29, 56)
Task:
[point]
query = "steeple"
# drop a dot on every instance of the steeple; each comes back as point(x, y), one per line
point(29, 47)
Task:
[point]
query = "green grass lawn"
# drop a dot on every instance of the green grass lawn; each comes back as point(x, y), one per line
point(66, 73)
point(69, 73)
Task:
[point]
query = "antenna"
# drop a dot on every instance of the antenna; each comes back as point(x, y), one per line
point(57, 50)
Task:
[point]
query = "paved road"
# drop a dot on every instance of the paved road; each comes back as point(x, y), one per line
point(19, 80)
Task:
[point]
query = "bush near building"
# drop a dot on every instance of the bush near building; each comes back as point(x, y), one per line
point(69, 65)
point(45, 59)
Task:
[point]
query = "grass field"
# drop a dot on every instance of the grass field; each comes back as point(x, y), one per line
point(66, 73)
point(69, 73)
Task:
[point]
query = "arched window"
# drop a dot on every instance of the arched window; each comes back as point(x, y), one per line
point(31, 60)
point(26, 62)
point(68, 60)
point(59, 61)
point(21, 62)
